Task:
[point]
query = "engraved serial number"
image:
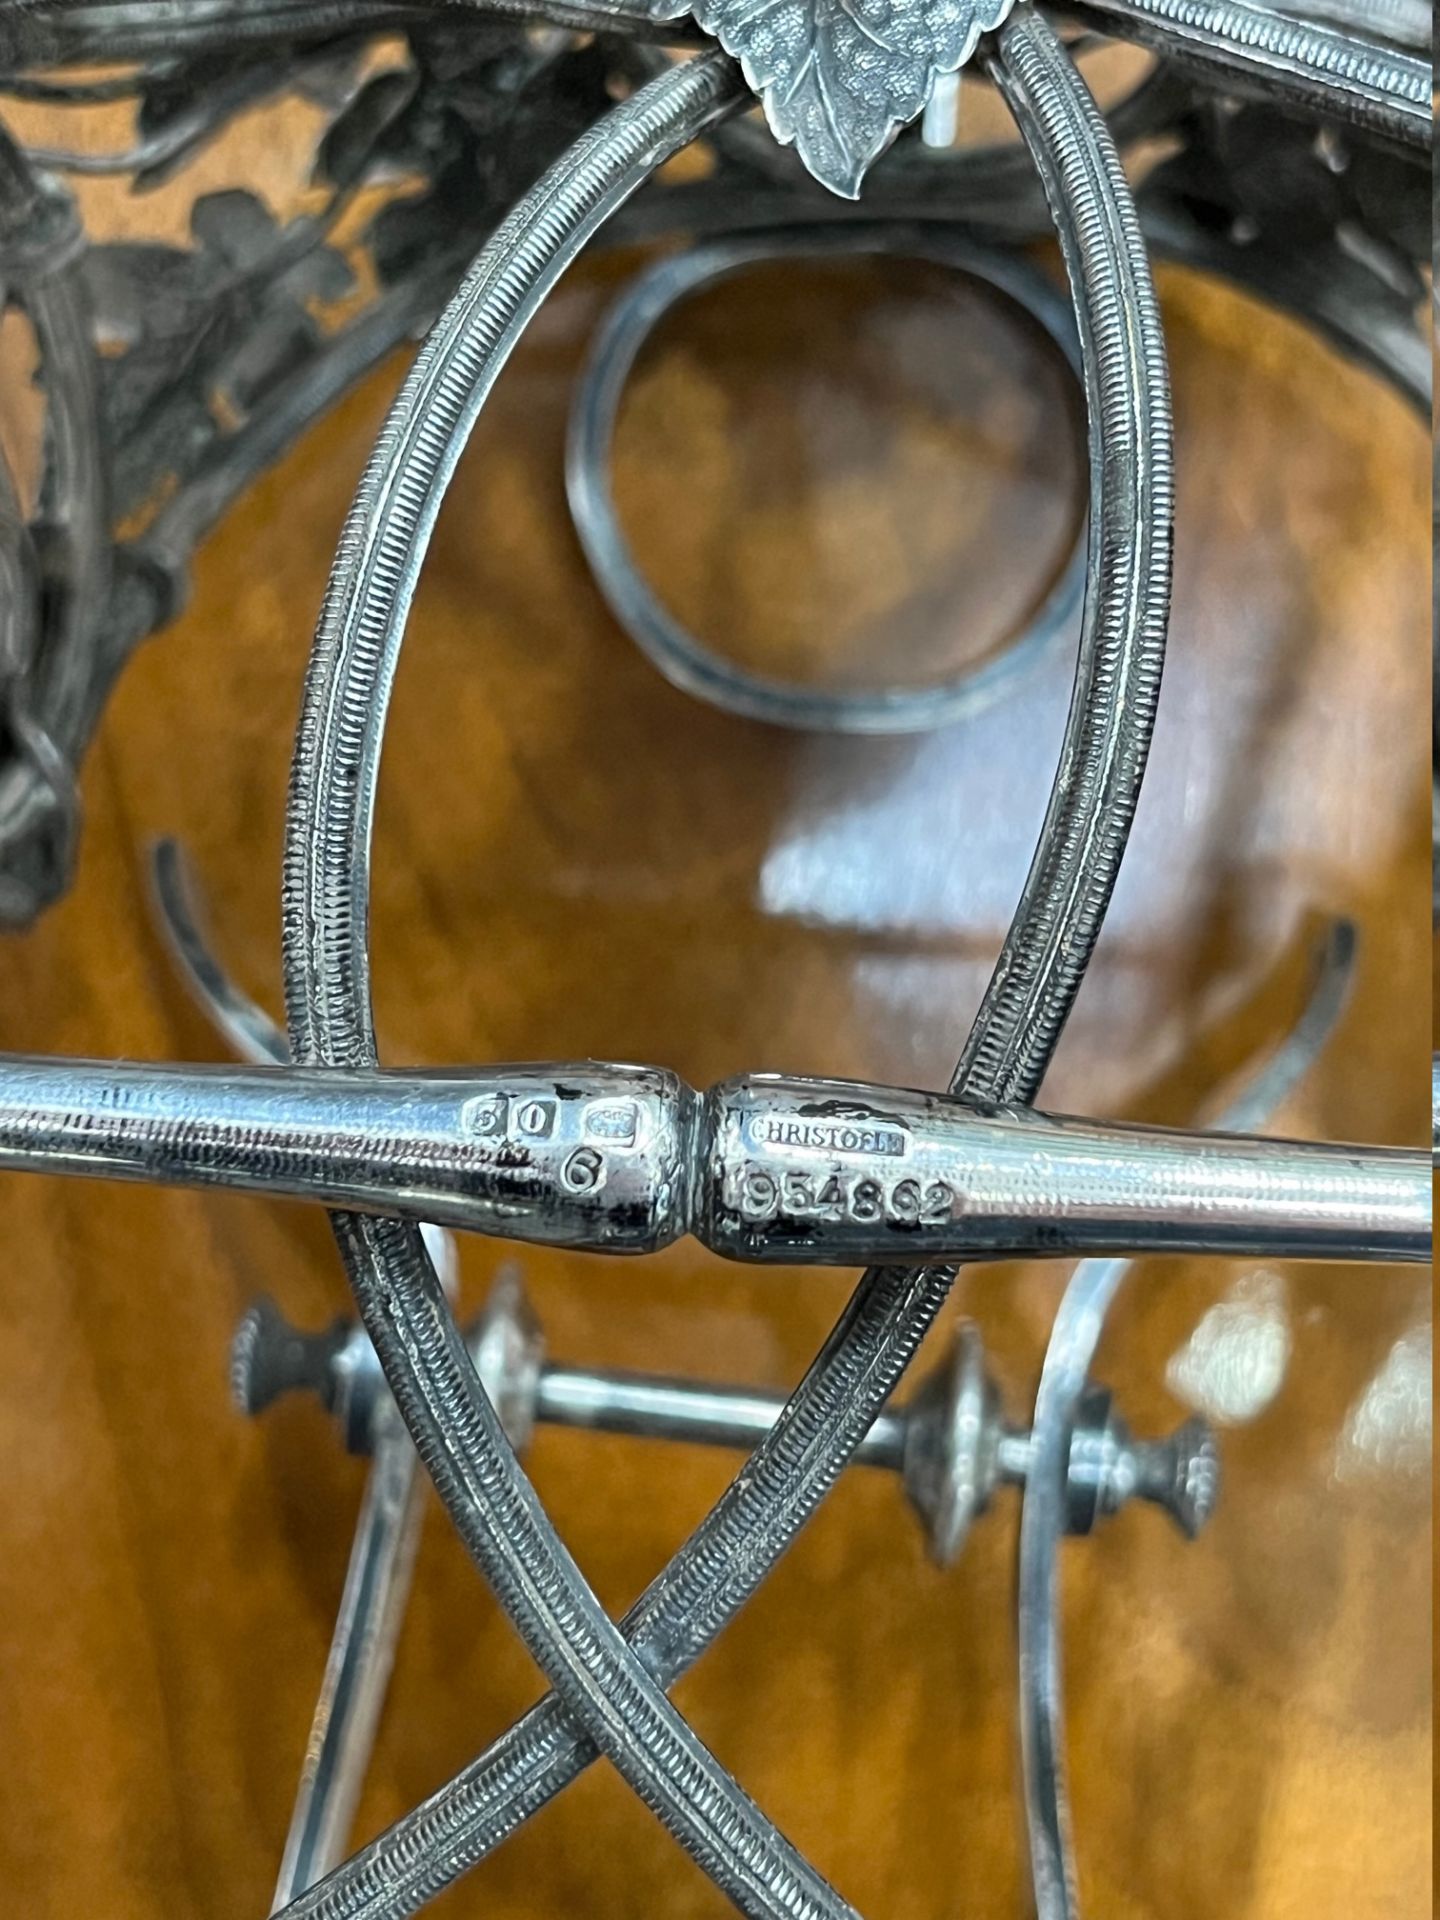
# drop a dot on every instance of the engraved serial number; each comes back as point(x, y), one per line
point(758, 1194)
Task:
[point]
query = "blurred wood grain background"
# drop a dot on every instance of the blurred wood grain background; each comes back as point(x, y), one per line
point(575, 859)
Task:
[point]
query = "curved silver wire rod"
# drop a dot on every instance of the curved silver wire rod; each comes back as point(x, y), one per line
point(1270, 1083)
point(1335, 68)
point(160, 147)
point(1044, 958)
point(75, 93)
point(1068, 1359)
point(357, 1667)
point(609, 1159)
point(605, 1685)
point(685, 660)
point(252, 1034)
point(1336, 73)
point(387, 1528)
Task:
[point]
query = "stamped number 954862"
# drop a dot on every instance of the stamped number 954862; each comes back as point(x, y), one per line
point(759, 1194)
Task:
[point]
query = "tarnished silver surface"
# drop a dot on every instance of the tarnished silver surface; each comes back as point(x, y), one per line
point(613, 1694)
point(586, 1156)
point(47, 659)
point(1306, 63)
point(1286, 151)
point(835, 1173)
point(960, 1448)
point(1227, 71)
point(609, 1686)
point(270, 1358)
point(340, 1367)
point(611, 1159)
point(839, 78)
point(357, 1668)
point(378, 1574)
point(949, 1441)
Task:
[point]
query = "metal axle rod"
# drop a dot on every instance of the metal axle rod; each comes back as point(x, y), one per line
point(950, 1442)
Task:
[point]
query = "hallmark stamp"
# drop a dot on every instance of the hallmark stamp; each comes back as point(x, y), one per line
point(867, 1137)
point(486, 1117)
point(617, 1122)
point(536, 1119)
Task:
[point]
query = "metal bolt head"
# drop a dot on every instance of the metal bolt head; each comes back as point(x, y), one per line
point(269, 1357)
point(1109, 1468)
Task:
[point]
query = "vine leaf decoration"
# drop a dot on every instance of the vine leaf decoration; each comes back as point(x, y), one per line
point(839, 78)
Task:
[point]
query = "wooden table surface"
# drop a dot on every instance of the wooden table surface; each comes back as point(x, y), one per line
point(573, 858)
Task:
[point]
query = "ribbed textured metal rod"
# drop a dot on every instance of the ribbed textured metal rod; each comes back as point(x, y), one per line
point(1336, 73)
point(605, 1685)
point(1342, 67)
point(1058, 919)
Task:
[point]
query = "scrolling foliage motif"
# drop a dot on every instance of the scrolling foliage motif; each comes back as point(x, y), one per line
point(173, 375)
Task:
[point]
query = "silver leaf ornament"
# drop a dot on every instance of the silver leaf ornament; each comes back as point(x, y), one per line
point(839, 78)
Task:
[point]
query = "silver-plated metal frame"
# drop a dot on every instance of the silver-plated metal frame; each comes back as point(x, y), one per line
point(1297, 165)
point(760, 1168)
point(327, 989)
point(610, 1680)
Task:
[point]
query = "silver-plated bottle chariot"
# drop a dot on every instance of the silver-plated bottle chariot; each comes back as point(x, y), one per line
point(620, 1158)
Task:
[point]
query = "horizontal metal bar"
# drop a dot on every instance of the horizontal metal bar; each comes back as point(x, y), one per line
point(649, 1405)
point(619, 1159)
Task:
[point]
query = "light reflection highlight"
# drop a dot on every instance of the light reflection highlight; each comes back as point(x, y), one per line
point(1235, 1362)
point(1388, 1431)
